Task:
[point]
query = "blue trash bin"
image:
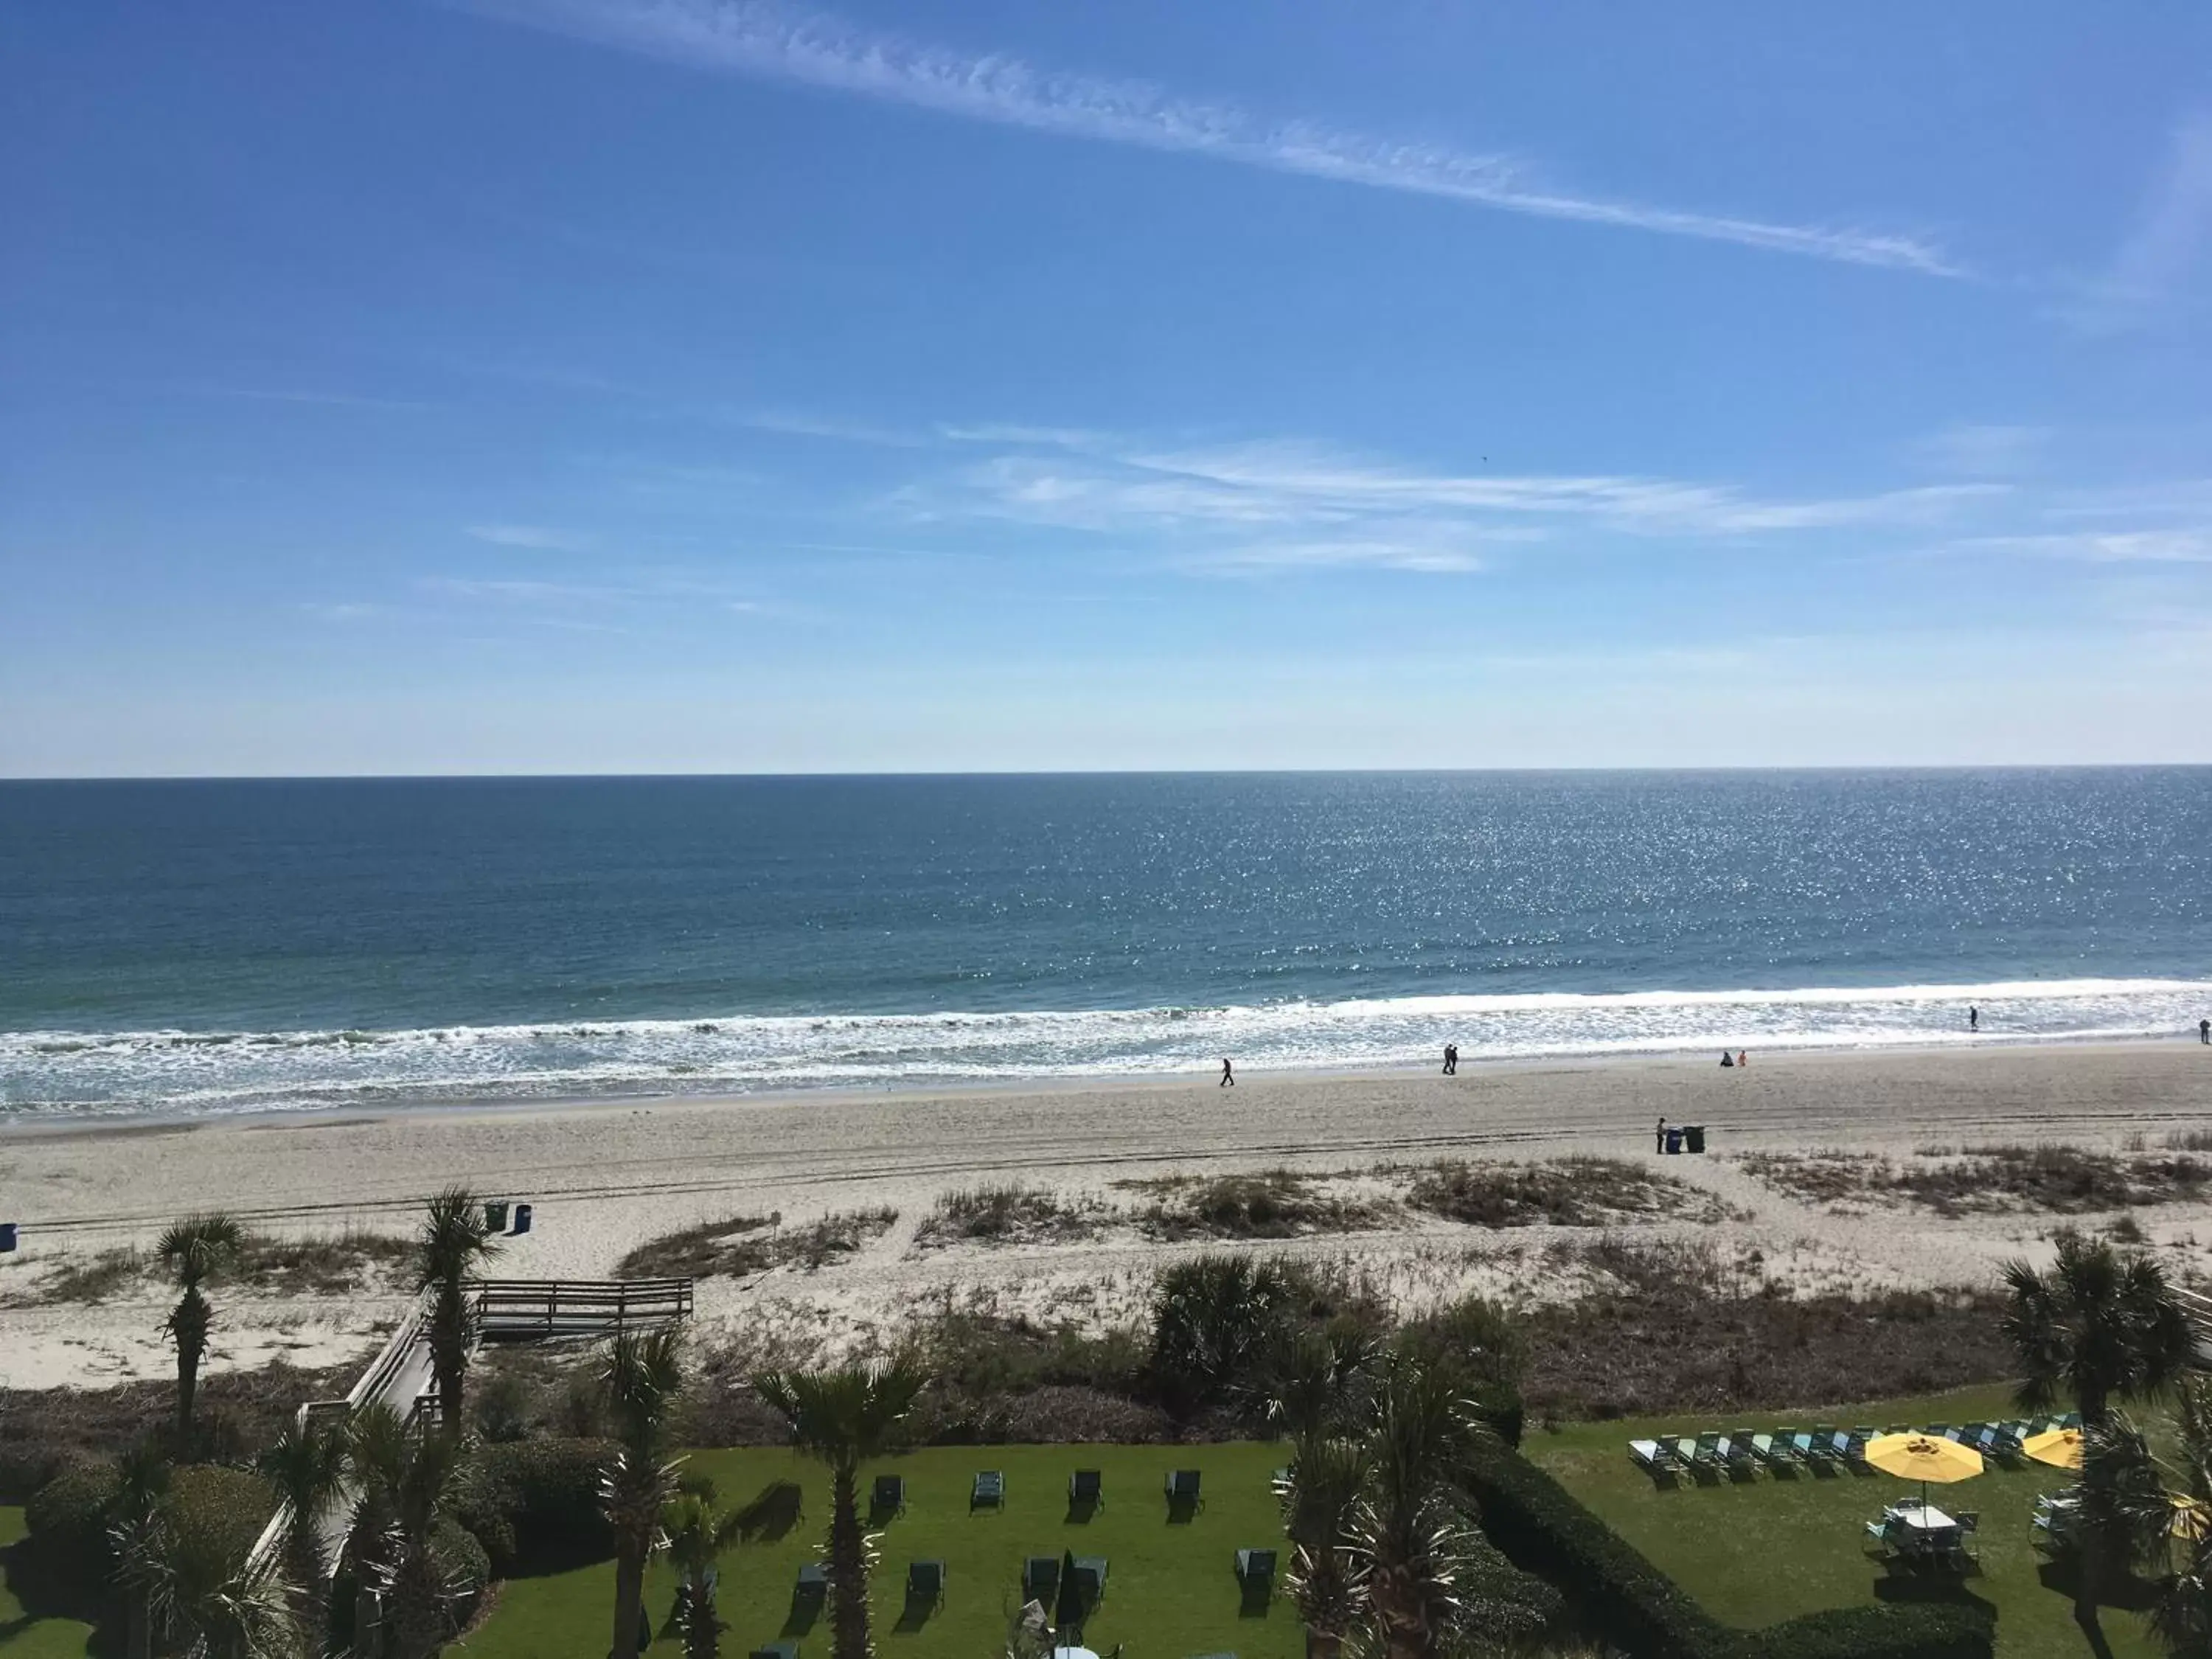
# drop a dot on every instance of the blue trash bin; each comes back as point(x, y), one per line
point(522, 1218)
point(1674, 1139)
point(7, 1236)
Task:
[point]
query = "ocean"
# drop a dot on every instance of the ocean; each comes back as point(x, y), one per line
point(220, 946)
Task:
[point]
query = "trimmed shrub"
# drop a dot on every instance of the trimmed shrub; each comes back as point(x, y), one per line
point(1543, 1529)
point(67, 1522)
point(1510, 1610)
point(464, 1566)
point(1895, 1630)
point(26, 1466)
point(534, 1505)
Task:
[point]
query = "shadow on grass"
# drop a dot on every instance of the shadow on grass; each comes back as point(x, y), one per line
point(2061, 1575)
point(805, 1611)
point(1080, 1511)
point(779, 1508)
point(915, 1614)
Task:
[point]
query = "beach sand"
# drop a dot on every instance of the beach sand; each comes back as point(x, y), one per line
point(605, 1177)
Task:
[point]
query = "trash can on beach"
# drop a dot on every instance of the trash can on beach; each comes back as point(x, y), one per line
point(7, 1236)
point(496, 1215)
point(1674, 1139)
point(522, 1218)
point(1694, 1137)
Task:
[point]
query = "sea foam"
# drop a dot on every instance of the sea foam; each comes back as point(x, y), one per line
point(73, 1073)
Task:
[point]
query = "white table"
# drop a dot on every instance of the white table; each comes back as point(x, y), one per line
point(1922, 1517)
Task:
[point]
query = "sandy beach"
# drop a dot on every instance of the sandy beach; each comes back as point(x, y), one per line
point(606, 1177)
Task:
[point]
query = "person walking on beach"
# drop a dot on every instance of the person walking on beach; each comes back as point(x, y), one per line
point(2205, 1031)
point(1228, 1075)
point(1973, 1019)
point(1451, 1059)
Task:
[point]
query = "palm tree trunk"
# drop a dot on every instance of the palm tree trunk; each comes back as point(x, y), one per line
point(629, 1594)
point(137, 1625)
point(849, 1637)
point(303, 1554)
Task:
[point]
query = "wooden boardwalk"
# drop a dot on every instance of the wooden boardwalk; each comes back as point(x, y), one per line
point(500, 1311)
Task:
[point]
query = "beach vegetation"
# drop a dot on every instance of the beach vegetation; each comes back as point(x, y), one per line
point(642, 1376)
point(1009, 1212)
point(2098, 1326)
point(738, 1246)
point(194, 1250)
point(846, 1416)
point(1267, 1204)
point(1990, 1180)
point(456, 1236)
point(1218, 1322)
point(1564, 1191)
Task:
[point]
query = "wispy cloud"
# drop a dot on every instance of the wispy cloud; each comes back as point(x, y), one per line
point(1984, 451)
point(760, 39)
point(1102, 484)
point(2175, 546)
point(2152, 272)
point(532, 536)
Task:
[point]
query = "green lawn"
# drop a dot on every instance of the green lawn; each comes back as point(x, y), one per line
point(1774, 1548)
point(23, 1637)
point(1170, 1589)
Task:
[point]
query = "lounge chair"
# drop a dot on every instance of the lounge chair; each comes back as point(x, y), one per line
point(989, 1492)
point(1090, 1577)
point(775, 1650)
point(2071, 1420)
point(1649, 1456)
point(1256, 1564)
point(814, 1581)
point(925, 1582)
point(1040, 1578)
point(889, 1495)
point(1969, 1519)
point(1741, 1451)
point(1182, 1489)
point(1086, 1488)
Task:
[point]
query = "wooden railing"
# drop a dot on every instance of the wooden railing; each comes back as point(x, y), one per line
point(2198, 1308)
point(508, 1309)
point(503, 1311)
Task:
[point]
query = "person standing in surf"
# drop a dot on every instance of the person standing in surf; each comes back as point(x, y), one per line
point(1973, 1019)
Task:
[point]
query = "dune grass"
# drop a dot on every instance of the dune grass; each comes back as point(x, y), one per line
point(1772, 1549)
point(1170, 1588)
point(21, 1636)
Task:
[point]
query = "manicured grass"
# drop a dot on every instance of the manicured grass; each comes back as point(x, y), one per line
point(1772, 1549)
point(23, 1637)
point(1170, 1589)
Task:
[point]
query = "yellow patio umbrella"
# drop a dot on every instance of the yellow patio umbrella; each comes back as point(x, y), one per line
point(1922, 1457)
point(2060, 1448)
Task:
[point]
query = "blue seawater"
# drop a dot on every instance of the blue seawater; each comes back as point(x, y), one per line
point(224, 945)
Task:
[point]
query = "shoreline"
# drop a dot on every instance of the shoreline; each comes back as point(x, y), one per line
point(118, 1121)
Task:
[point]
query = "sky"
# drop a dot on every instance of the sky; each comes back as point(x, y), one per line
point(662, 385)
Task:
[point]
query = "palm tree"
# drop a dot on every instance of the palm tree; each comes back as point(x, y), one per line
point(2097, 1327)
point(216, 1600)
point(194, 1250)
point(1326, 1476)
point(455, 1236)
point(306, 1465)
point(408, 1482)
point(698, 1530)
point(134, 1517)
point(845, 1416)
point(641, 1379)
point(1410, 1535)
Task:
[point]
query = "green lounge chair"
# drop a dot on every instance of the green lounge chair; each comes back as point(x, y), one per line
point(775, 1650)
point(814, 1581)
point(889, 1495)
point(989, 1492)
point(1182, 1489)
point(1091, 1578)
point(1258, 1564)
point(925, 1582)
point(1040, 1578)
point(1086, 1489)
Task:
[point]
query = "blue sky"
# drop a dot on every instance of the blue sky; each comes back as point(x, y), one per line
point(700, 385)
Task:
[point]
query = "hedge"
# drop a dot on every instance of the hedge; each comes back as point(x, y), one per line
point(535, 1503)
point(1542, 1528)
